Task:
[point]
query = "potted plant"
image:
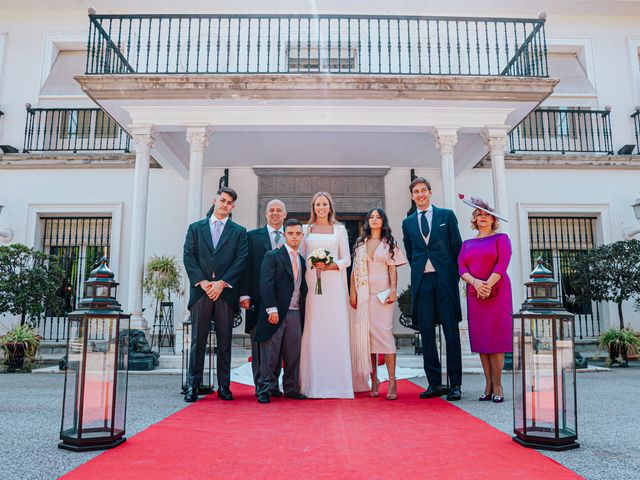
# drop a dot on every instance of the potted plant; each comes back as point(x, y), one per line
point(20, 345)
point(620, 344)
point(163, 278)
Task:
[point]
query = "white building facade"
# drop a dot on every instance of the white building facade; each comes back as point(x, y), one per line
point(137, 113)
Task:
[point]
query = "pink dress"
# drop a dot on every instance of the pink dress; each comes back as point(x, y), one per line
point(490, 323)
point(381, 316)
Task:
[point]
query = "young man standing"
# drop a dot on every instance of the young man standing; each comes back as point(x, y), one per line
point(279, 331)
point(432, 242)
point(215, 253)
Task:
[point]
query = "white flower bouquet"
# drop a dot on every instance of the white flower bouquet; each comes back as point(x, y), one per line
point(320, 255)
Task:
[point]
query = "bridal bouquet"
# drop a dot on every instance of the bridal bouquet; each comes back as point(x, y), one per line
point(320, 255)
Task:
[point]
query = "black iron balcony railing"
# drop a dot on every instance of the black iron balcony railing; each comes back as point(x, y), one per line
point(563, 130)
point(282, 44)
point(636, 123)
point(73, 129)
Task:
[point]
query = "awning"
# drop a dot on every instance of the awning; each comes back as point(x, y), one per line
point(60, 81)
point(573, 78)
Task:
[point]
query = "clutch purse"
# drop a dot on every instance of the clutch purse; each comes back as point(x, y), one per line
point(382, 296)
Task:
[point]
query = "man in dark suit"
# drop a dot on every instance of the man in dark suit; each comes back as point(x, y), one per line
point(261, 240)
point(432, 242)
point(283, 291)
point(215, 254)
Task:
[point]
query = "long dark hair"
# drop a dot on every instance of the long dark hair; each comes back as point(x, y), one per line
point(385, 234)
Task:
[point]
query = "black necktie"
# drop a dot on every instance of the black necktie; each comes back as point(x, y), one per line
point(424, 225)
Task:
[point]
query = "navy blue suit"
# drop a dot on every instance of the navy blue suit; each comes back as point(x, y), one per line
point(436, 299)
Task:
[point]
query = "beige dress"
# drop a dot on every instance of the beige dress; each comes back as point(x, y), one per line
point(381, 316)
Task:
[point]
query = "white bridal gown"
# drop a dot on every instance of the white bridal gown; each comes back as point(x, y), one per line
point(325, 360)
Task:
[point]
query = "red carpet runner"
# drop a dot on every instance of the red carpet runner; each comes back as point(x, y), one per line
point(322, 439)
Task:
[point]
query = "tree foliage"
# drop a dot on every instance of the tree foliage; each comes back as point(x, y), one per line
point(609, 273)
point(29, 281)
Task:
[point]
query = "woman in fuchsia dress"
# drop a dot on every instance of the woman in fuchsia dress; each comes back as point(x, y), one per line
point(482, 264)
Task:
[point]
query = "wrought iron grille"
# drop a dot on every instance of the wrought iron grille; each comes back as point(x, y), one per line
point(73, 129)
point(559, 241)
point(79, 243)
point(390, 45)
point(563, 130)
point(636, 123)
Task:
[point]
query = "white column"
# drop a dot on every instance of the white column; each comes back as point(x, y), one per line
point(446, 139)
point(143, 141)
point(198, 138)
point(496, 141)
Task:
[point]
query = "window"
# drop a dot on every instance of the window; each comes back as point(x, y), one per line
point(79, 123)
point(78, 242)
point(559, 241)
point(319, 60)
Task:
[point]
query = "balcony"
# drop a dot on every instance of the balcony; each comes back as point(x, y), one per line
point(564, 131)
point(73, 130)
point(312, 44)
point(636, 123)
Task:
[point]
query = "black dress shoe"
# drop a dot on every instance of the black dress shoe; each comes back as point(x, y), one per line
point(431, 392)
point(263, 398)
point(454, 393)
point(224, 393)
point(296, 396)
point(191, 395)
point(276, 393)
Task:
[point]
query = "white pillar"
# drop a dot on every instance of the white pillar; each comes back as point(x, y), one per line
point(143, 141)
point(198, 138)
point(446, 139)
point(496, 141)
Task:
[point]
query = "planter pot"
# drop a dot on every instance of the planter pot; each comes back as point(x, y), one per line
point(617, 352)
point(15, 357)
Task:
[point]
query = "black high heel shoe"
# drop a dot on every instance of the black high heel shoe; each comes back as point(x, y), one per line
point(485, 397)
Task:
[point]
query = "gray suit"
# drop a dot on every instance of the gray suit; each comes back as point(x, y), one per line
point(281, 291)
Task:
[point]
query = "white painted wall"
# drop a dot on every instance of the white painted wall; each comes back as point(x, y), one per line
point(610, 29)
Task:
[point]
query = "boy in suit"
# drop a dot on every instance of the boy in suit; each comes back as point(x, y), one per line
point(283, 292)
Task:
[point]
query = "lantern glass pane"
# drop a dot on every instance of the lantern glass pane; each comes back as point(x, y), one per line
point(88, 291)
point(539, 378)
point(71, 404)
point(121, 376)
point(540, 292)
point(99, 378)
point(518, 391)
point(102, 291)
point(113, 293)
point(565, 372)
point(207, 383)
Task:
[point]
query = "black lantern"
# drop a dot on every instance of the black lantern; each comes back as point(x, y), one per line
point(95, 385)
point(544, 374)
point(207, 386)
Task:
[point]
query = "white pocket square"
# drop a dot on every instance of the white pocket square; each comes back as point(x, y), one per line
point(442, 224)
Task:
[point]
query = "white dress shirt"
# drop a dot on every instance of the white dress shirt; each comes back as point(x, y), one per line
point(212, 221)
point(272, 235)
point(428, 268)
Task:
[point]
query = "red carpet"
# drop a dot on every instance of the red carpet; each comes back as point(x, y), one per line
point(322, 439)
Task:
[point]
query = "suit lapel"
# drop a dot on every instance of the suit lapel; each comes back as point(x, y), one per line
point(205, 231)
point(284, 258)
point(264, 238)
point(435, 222)
point(226, 232)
